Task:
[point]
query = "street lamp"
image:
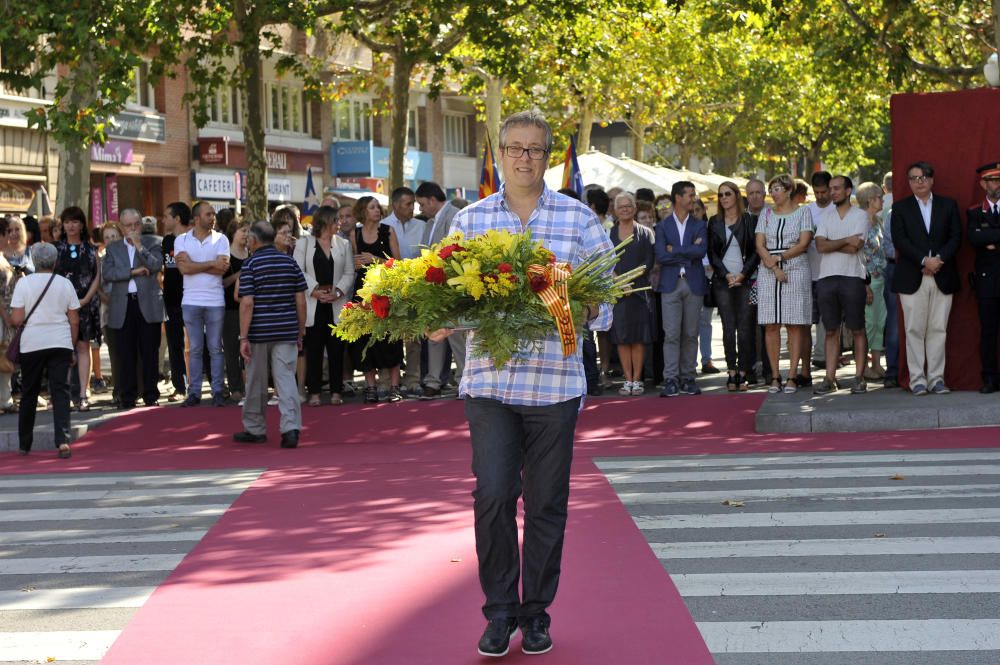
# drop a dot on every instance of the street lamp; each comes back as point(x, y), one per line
point(991, 70)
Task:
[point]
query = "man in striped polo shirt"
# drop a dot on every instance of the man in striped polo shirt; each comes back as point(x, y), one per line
point(272, 324)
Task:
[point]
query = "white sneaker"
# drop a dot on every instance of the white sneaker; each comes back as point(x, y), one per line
point(638, 388)
point(273, 401)
point(626, 389)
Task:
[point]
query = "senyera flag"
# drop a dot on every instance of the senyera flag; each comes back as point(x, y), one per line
point(572, 177)
point(489, 179)
point(311, 202)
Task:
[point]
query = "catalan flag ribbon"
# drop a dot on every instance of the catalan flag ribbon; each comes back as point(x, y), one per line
point(489, 179)
point(572, 177)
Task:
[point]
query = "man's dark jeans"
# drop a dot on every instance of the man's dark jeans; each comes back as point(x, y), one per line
point(506, 441)
point(56, 363)
point(590, 369)
point(174, 325)
point(891, 325)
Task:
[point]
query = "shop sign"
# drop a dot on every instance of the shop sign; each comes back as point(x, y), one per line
point(215, 186)
point(279, 189)
point(15, 196)
point(277, 160)
point(97, 205)
point(111, 185)
point(361, 158)
point(13, 113)
point(213, 151)
point(112, 152)
point(376, 185)
point(138, 126)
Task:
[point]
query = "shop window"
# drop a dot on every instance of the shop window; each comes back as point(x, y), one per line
point(352, 120)
point(288, 110)
point(456, 134)
point(143, 95)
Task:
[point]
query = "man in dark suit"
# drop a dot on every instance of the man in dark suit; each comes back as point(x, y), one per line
point(984, 234)
point(926, 232)
point(681, 243)
point(135, 307)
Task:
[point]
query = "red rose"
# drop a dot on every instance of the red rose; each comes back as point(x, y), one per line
point(390, 263)
point(448, 250)
point(380, 305)
point(435, 275)
point(505, 267)
point(539, 283)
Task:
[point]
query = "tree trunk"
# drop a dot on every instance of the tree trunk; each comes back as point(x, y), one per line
point(402, 69)
point(74, 156)
point(494, 106)
point(586, 124)
point(639, 140)
point(252, 93)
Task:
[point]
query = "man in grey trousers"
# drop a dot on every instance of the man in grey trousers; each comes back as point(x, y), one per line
point(272, 324)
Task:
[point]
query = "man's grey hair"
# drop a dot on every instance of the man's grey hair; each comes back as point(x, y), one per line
point(44, 256)
point(129, 212)
point(527, 119)
point(263, 232)
point(756, 180)
point(887, 180)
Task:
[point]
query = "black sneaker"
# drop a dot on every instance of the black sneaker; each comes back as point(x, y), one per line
point(669, 389)
point(803, 381)
point(248, 437)
point(536, 638)
point(495, 641)
point(430, 393)
point(689, 387)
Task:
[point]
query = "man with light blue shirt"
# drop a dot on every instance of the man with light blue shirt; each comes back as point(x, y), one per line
point(410, 235)
point(522, 418)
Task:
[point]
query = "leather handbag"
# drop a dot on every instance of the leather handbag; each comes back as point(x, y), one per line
point(13, 353)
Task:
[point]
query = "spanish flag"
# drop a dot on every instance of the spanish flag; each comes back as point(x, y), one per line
point(572, 177)
point(489, 179)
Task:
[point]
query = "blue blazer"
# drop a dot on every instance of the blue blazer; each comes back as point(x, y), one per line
point(687, 253)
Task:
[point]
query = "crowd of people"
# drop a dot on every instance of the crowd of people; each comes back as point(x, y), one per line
point(839, 265)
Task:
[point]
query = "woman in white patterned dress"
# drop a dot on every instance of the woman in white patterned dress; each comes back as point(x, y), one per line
point(784, 283)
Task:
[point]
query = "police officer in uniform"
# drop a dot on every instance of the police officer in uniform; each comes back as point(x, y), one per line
point(984, 234)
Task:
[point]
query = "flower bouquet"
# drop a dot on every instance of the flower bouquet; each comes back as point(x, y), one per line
point(505, 286)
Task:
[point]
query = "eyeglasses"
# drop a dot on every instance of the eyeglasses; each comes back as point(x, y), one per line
point(725, 192)
point(516, 152)
point(777, 188)
point(918, 178)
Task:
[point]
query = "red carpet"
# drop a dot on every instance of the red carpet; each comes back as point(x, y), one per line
point(357, 548)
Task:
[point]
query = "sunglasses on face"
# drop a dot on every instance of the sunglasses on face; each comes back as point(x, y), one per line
point(725, 193)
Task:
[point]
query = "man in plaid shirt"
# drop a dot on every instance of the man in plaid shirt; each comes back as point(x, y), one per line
point(522, 418)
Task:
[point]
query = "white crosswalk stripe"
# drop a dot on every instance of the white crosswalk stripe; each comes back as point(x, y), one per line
point(81, 542)
point(791, 558)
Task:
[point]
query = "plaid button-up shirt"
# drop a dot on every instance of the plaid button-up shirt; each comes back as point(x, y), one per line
point(541, 375)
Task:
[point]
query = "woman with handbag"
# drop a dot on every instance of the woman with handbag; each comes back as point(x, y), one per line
point(327, 262)
point(46, 311)
point(732, 252)
point(7, 282)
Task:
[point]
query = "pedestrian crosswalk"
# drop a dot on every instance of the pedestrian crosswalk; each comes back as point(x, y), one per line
point(79, 554)
point(884, 558)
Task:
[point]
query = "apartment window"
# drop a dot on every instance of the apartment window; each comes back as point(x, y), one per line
point(413, 132)
point(224, 107)
point(352, 120)
point(287, 109)
point(142, 90)
point(456, 134)
point(46, 91)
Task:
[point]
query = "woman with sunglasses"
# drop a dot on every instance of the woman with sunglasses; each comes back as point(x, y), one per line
point(78, 263)
point(732, 252)
point(784, 283)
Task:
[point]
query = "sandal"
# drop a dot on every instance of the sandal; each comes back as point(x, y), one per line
point(626, 389)
point(741, 382)
point(64, 452)
point(83, 405)
point(394, 394)
point(638, 387)
point(732, 382)
point(775, 386)
point(314, 400)
point(790, 387)
point(336, 399)
point(371, 395)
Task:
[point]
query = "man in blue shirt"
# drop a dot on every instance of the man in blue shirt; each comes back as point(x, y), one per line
point(522, 418)
point(272, 324)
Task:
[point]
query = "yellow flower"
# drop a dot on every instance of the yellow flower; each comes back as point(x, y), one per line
point(468, 278)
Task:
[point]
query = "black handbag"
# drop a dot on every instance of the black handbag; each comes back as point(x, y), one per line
point(14, 348)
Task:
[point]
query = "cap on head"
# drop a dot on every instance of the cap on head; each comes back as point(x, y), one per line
point(991, 170)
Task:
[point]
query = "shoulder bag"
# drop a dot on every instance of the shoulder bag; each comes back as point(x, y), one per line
point(13, 353)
